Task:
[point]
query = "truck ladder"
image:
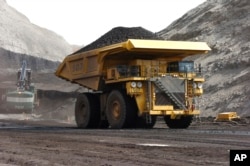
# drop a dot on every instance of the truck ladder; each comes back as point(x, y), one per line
point(190, 88)
point(159, 83)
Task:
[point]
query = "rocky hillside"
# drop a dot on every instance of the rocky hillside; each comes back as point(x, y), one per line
point(19, 35)
point(225, 26)
point(22, 40)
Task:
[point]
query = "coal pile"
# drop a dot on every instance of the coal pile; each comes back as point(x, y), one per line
point(120, 34)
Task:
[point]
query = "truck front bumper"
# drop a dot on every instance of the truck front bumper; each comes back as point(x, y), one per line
point(174, 113)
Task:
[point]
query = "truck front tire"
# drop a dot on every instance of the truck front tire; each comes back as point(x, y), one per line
point(118, 111)
point(181, 123)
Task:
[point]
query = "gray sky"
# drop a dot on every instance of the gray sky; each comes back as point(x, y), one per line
point(81, 22)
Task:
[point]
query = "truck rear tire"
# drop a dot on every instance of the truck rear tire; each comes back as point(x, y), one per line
point(119, 111)
point(181, 123)
point(87, 111)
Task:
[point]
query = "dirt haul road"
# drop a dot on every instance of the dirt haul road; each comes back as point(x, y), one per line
point(39, 142)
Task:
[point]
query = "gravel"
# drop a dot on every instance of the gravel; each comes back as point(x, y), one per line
point(120, 34)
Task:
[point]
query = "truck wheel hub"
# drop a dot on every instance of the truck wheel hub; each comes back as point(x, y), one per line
point(116, 109)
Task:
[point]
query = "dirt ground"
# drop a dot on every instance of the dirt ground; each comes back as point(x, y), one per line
point(28, 140)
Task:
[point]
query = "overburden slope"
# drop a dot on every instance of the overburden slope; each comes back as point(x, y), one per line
point(225, 26)
point(22, 40)
point(19, 35)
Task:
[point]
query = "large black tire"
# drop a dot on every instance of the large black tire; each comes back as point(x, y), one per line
point(104, 124)
point(181, 123)
point(119, 111)
point(87, 112)
point(142, 123)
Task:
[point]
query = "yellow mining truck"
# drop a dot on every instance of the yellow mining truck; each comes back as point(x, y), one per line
point(131, 83)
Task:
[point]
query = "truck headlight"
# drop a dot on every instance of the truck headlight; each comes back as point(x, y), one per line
point(133, 84)
point(200, 85)
point(139, 84)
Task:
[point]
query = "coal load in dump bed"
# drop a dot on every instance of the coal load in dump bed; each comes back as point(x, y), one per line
point(120, 34)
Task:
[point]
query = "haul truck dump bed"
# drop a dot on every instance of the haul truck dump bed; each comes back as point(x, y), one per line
point(135, 81)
